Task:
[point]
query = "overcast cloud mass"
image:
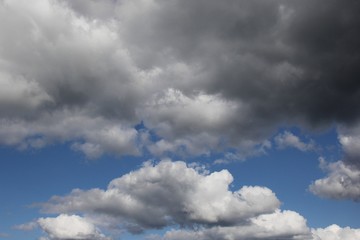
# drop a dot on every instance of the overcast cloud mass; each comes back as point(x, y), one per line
point(182, 78)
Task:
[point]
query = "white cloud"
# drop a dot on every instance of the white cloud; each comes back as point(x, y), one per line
point(277, 225)
point(342, 182)
point(27, 226)
point(197, 123)
point(169, 193)
point(343, 177)
point(196, 202)
point(288, 139)
point(74, 227)
point(248, 149)
point(66, 98)
point(93, 136)
point(91, 150)
point(334, 232)
point(349, 139)
point(178, 110)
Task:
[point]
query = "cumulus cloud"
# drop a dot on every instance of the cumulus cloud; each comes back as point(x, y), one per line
point(169, 193)
point(278, 225)
point(349, 138)
point(174, 193)
point(334, 232)
point(342, 182)
point(343, 179)
point(188, 201)
point(293, 227)
point(70, 227)
point(215, 83)
point(18, 94)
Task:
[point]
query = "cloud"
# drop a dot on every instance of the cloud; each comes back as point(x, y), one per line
point(188, 201)
point(334, 232)
point(93, 136)
point(294, 227)
point(18, 94)
point(169, 193)
point(216, 83)
point(27, 226)
point(342, 182)
point(278, 225)
point(69, 227)
point(343, 179)
point(349, 138)
point(4, 235)
point(288, 139)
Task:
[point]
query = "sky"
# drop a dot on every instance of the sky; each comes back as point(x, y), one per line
point(179, 119)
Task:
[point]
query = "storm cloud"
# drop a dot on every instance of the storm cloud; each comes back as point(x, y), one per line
point(162, 78)
point(168, 64)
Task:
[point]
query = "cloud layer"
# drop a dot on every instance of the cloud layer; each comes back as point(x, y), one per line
point(155, 77)
point(196, 203)
point(88, 72)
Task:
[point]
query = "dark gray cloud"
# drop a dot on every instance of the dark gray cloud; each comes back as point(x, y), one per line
point(200, 74)
point(311, 74)
point(324, 36)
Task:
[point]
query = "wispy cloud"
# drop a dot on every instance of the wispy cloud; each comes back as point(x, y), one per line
point(288, 139)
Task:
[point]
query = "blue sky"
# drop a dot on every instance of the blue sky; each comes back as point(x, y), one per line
point(33, 176)
point(172, 120)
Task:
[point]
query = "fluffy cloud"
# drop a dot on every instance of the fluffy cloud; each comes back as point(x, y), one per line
point(199, 204)
point(70, 227)
point(212, 84)
point(334, 232)
point(93, 136)
point(278, 225)
point(156, 196)
point(343, 182)
point(168, 193)
point(349, 138)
